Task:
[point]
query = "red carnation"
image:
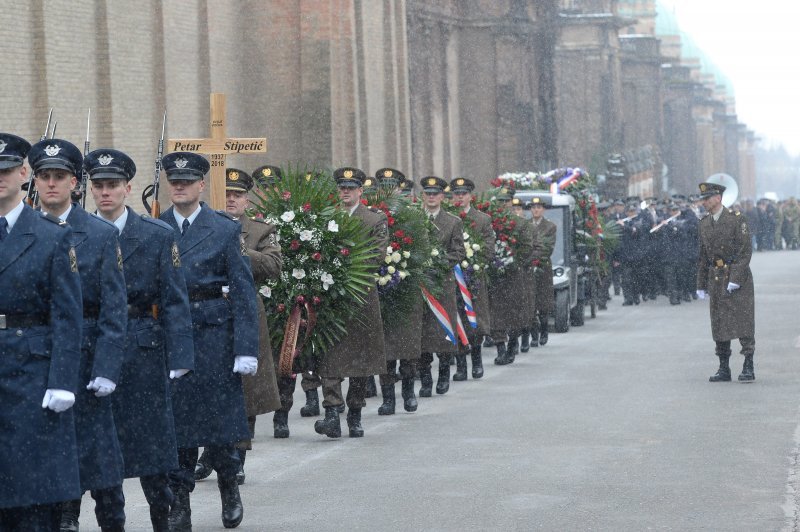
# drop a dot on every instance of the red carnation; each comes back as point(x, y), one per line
point(513, 240)
point(316, 300)
point(390, 221)
point(295, 245)
point(536, 262)
point(399, 233)
point(462, 214)
point(286, 195)
point(317, 256)
point(300, 300)
point(395, 246)
point(345, 251)
point(307, 207)
point(364, 202)
point(504, 238)
point(408, 240)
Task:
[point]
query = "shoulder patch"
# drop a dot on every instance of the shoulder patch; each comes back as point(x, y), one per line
point(55, 219)
point(176, 256)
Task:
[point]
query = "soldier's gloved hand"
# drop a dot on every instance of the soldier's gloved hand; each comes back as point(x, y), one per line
point(732, 287)
point(245, 365)
point(701, 294)
point(177, 373)
point(101, 386)
point(58, 400)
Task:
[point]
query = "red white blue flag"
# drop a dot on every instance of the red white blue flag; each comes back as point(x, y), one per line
point(570, 176)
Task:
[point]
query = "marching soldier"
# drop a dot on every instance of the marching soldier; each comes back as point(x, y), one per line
point(723, 272)
point(449, 231)
point(208, 403)
point(159, 335)
point(482, 223)
point(544, 241)
point(40, 339)
point(360, 354)
point(56, 163)
point(631, 255)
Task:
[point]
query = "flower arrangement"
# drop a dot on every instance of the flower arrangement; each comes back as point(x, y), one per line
point(507, 235)
point(476, 262)
point(566, 180)
point(328, 266)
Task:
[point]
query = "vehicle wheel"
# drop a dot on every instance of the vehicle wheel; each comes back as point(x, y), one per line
point(561, 313)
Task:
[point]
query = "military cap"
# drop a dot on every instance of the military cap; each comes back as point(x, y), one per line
point(390, 176)
point(348, 176)
point(267, 175)
point(462, 184)
point(633, 199)
point(406, 186)
point(236, 179)
point(433, 185)
point(505, 194)
point(369, 184)
point(603, 205)
point(516, 202)
point(619, 202)
point(694, 197)
point(710, 189)
point(185, 166)
point(13, 150)
point(55, 153)
point(109, 164)
point(632, 207)
point(675, 206)
point(678, 197)
point(537, 200)
point(448, 192)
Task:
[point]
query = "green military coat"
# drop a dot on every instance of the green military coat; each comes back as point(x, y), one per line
point(544, 240)
point(482, 222)
point(511, 296)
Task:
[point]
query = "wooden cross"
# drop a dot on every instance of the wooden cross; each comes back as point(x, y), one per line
point(217, 147)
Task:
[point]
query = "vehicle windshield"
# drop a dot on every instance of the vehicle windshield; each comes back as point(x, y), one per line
point(556, 215)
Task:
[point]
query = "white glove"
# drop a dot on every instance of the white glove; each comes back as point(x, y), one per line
point(245, 365)
point(732, 287)
point(177, 373)
point(58, 400)
point(101, 386)
point(701, 294)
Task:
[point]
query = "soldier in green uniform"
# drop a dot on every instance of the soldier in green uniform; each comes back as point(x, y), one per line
point(544, 241)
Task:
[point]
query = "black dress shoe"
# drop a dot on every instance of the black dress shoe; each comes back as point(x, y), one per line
point(409, 399)
point(232, 509)
point(202, 469)
point(280, 424)
point(330, 426)
point(311, 408)
point(354, 423)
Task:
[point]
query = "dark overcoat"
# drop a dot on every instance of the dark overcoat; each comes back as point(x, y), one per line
point(39, 460)
point(105, 319)
point(544, 241)
point(449, 231)
point(482, 223)
point(208, 403)
point(141, 403)
point(361, 353)
point(402, 337)
point(725, 250)
point(261, 390)
point(511, 296)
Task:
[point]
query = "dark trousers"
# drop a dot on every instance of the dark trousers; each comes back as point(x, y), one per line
point(631, 282)
point(156, 491)
point(35, 518)
point(426, 359)
point(109, 508)
point(407, 368)
point(223, 458)
point(332, 392)
point(748, 344)
point(287, 385)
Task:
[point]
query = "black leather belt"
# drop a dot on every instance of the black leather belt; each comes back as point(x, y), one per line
point(206, 293)
point(20, 321)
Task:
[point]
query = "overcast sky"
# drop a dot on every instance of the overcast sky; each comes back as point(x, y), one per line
point(757, 45)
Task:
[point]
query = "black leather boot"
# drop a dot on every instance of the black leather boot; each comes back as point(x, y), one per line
point(525, 341)
point(159, 518)
point(311, 408)
point(513, 348)
point(443, 384)
point(409, 399)
point(543, 331)
point(232, 509)
point(70, 513)
point(535, 327)
point(723, 374)
point(502, 355)
point(371, 390)
point(240, 474)
point(330, 426)
point(461, 368)
point(354, 423)
point(340, 408)
point(180, 515)
point(387, 408)
point(202, 469)
point(748, 373)
point(477, 362)
point(488, 341)
point(280, 423)
point(426, 382)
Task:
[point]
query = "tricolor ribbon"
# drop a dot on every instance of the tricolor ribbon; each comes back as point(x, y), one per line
point(469, 310)
point(570, 176)
point(440, 313)
point(462, 333)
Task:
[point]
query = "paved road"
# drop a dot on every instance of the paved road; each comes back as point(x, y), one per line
point(613, 426)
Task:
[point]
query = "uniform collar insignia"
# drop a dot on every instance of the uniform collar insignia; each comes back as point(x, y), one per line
point(105, 159)
point(52, 150)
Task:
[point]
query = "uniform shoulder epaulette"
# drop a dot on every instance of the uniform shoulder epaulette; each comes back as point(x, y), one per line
point(55, 219)
point(155, 221)
point(257, 220)
point(226, 215)
point(98, 217)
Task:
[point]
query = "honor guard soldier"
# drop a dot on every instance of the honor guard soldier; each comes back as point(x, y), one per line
point(723, 272)
point(40, 339)
point(406, 187)
point(449, 231)
point(56, 163)
point(208, 403)
point(544, 242)
point(389, 178)
point(260, 390)
point(267, 176)
point(360, 353)
point(482, 223)
point(159, 336)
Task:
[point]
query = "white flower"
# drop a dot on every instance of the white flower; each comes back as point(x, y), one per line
point(404, 264)
point(464, 264)
point(288, 216)
point(475, 247)
point(403, 275)
point(396, 257)
point(466, 236)
point(327, 280)
point(434, 252)
point(476, 268)
point(391, 269)
point(298, 273)
point(383, 281)
point(306, 235)
point(389, 250)
point(265, 291)
point(470, 253)
point(406, 254)
point(333, 227)
point(388, 259)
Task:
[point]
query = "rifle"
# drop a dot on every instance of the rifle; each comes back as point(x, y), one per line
point(152, 190)
point(31, 196)
point(663, 223)
point(628, 219)
point(80, 195)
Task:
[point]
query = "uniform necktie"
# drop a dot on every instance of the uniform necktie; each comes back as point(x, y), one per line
point(184, 226)
point(3, 228)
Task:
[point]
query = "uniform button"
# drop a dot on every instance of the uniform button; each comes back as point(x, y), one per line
point(19, 332)
point(197, 305)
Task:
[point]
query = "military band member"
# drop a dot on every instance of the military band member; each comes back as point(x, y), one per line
point(449, 231)
point(159, 343)
point(208, 403)
point(631, 255)
point(482, 223)
point(40, 339)
point(723, 272)
point(544, 241)
point(360, 354)
point(56, 163)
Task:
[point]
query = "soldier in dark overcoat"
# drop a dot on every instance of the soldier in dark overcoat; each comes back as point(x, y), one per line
point(56, 163)
point(208, 403)
point(449, 231)
point(40, 339)
point(159, 336)
point(360, 354)
point(482, 224)
point(723, 273)
point(544, 241)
